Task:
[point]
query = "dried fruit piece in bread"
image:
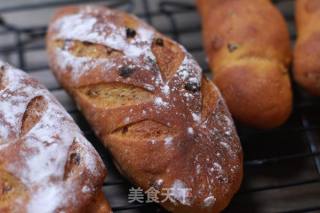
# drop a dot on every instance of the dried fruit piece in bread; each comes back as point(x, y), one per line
point(46, 164)
point(248, 47)
point(165, 124)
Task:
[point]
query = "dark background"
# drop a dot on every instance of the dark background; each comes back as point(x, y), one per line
point(282, 166)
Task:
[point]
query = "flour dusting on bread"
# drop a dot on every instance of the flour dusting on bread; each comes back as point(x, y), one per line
point(87, 26)
point(40, 161)
point(183, 135)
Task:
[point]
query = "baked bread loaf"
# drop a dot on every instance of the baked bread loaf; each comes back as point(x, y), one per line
point(248, 49)
point(46, 164)
point(99, 204)
point(307, 51)
point(166, 125)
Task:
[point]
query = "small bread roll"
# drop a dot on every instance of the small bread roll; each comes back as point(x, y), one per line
point(248, 48)
point(307, 51)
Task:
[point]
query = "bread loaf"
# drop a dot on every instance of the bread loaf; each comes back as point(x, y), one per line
point(248, 49)
point(166, 125)
point(307, 51)
point(46, 164)
point(99, 204)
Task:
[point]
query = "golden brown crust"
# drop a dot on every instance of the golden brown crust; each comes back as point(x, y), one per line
point(98, 205)
point(307, 51)
point(166, 126)
point(46, 165)
point(248, 48)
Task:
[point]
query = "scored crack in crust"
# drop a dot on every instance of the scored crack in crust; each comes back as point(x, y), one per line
point(165, 124)
point(45, 161)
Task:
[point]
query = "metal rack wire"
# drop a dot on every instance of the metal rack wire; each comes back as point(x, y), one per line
point(282, 166)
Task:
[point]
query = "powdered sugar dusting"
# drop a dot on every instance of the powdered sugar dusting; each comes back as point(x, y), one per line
point(189, 70)
point(46, 199)
point(165, 89)
point(217, 166)
point(159, 102)
point(180, 192)
point(168, 140)
point(196, 117)
point(209, 201)
point(179, 95)
point(75, 25)
point(190, 130)
point(46, 145)
point(85, 189)
point(86, 26)
point(80, 65)
point(225, 145)
point(9, 111)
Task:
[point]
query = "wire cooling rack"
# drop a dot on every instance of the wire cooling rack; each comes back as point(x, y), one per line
point(282, 166)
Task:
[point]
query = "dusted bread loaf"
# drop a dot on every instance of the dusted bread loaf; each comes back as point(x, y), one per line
point(46, 165)
point(166, 125)
point(307, 51)
point(248, 48)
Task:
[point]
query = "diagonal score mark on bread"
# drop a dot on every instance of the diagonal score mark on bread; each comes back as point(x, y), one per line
point(38, 134)
point(208, 98)
point(143, 130)
point(114, 95)
point(35, 108)
point(168, 55)
point(88, 49)
point(115, 98)
point(74, 164)
point(164, 123)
